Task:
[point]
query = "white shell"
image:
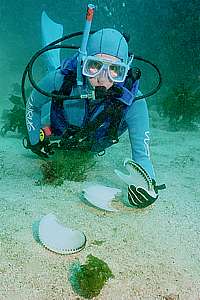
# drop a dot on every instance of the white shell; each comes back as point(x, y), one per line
point(101, 196)
point(137, 175)
point(58, 238)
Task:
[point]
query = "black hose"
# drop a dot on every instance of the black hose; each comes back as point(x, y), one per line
point(153, 91)
point(51, 46)
point(30, 74)
point(38, 53)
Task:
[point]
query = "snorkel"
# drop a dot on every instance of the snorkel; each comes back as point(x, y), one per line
point(82, 53)
point(82, 50)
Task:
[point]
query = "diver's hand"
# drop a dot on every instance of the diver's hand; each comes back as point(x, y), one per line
point(142, 190)
point(140, 197)
point(41, 149)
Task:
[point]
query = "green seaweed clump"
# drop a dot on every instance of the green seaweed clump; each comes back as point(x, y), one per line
point(72, 165)
point(87, 280)
point(14, 118)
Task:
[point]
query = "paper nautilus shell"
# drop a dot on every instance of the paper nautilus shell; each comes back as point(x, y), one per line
point(59, 238)
point(101, 196)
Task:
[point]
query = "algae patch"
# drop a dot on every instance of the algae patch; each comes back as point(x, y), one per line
point(72, 165)
point(88, 279)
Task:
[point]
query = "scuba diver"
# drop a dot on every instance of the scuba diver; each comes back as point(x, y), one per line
point(91, 99)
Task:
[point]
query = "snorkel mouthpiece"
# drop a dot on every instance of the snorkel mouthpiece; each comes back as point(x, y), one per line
point(83, 48)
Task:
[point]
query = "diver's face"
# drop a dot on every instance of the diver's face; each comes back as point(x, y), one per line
point(102, 79)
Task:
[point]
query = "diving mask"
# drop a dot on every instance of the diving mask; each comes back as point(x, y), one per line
point(116, 70)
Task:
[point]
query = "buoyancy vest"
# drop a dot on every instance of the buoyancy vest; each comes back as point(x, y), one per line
point(107, 121)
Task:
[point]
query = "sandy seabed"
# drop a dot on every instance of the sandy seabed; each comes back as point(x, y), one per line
point(153, 253)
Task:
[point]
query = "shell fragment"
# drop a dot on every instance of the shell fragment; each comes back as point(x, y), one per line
point(58, 238)
point(101, 196)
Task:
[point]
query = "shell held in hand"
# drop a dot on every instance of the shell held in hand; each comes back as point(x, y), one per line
point(137, 175)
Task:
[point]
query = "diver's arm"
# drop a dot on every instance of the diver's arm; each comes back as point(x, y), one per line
point(34, 106)
point(137, 119)
point(138, 125)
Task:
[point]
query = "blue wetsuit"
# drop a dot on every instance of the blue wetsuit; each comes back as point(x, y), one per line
point(135, 118)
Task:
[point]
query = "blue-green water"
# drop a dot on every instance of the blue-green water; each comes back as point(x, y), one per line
point(166, 32)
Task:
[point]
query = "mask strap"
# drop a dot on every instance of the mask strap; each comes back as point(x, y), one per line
point(130, 60)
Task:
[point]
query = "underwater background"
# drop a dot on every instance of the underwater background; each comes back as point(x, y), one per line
point(154, 253)
point(166, 32)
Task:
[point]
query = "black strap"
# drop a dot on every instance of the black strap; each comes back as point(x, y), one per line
point(68, 82)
